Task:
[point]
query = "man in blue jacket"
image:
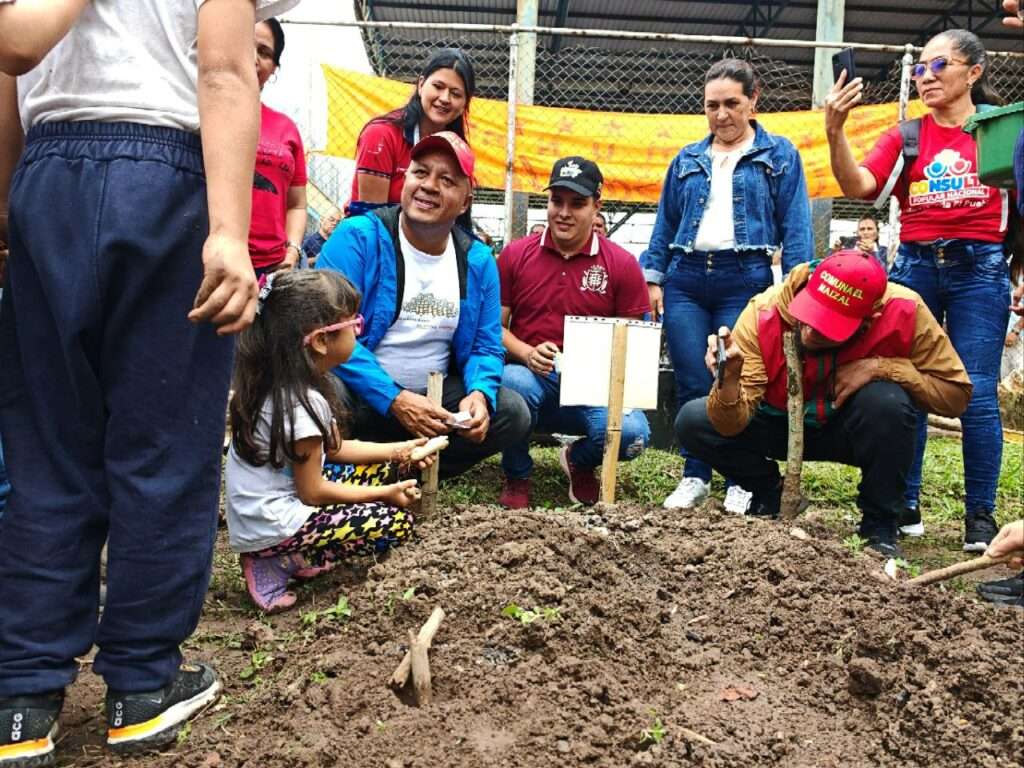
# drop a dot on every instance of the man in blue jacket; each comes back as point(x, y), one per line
point(430, 303)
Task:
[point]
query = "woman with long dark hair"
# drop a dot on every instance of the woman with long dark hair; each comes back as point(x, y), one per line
point(440, 102)
point(279, 183)
point(728, 203)
point(951, 247)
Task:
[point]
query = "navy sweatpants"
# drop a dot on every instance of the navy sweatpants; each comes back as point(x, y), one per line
point(111, 406)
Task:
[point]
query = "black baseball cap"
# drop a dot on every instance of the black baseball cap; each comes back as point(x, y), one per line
point(578, 174)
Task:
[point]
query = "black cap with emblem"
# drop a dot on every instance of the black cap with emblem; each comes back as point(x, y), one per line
point(578, 174)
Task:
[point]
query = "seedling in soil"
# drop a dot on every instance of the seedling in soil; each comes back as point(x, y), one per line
point(854, 544)
point(184, 733)
point(318, 677)
point(655, 733)
point(257, 661)
point(524, 616)
point(337, 612)
point(409, 594)
point(913, 569)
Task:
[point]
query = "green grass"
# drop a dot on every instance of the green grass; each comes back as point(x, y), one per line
point(832, 489)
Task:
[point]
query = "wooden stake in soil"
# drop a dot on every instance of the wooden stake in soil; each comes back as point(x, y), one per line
point(613, 432)
point(791, 493)
point(428, 505)
point(959, 569)
point(416, 661)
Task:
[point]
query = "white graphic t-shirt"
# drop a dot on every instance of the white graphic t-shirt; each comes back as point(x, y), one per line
point(420, 340)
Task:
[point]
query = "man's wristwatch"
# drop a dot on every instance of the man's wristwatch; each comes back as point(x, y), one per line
point(290, 244)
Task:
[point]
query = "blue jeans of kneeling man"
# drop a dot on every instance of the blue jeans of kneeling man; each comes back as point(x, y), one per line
point(541, 394)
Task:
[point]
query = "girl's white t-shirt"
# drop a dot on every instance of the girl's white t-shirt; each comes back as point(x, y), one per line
point(717, 230)
point(132, 61)
point(263, 506)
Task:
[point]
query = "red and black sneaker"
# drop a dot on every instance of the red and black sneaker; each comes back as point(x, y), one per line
point(515, 494)
point(583, 487)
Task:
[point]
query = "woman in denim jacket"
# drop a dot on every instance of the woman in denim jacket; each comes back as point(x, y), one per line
point(728, 203)
point(951, 249)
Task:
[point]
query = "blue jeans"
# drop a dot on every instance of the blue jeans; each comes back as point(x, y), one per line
point(966, 285)
point(111, 407)
point(705, 291)
point(541, 396)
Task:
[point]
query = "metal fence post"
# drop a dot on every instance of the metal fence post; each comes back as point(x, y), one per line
point(527, 15)
point(894, 205)
point(510, 139)
point(831, 15)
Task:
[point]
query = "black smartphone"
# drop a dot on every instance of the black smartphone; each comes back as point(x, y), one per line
point(722, 354)
point(844, 60)
point(846, 243)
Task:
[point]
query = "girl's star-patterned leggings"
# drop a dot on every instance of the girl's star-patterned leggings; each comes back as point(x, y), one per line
point(338, 531)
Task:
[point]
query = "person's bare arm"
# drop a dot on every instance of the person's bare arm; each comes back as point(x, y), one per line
point(539, 359)
point(12, 141)
point(372, 188)
point(295, 223)
point(30, 28)
point(229, 119)
point(855, 181)
point(314, 490)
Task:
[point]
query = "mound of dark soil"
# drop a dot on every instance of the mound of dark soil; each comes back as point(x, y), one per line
point(663, 633)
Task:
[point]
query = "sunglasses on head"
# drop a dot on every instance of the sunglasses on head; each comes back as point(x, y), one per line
point(355, 323)
point(936, 65)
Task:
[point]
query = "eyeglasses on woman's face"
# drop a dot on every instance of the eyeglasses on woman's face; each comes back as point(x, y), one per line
point(937, 66)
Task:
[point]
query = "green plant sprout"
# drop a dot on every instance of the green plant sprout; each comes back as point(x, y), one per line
point(655, 733)
point(525, 616)
point(257, 661)
point(854, 544)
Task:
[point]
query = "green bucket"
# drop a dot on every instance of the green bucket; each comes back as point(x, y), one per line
point(995, 132)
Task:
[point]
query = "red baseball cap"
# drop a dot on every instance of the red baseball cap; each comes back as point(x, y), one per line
point(840, 293)
point(452, 143)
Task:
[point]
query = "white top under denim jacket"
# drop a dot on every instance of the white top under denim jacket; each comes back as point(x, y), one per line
point(770, 204)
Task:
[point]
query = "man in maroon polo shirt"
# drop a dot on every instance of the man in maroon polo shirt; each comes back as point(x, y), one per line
point(568, 269)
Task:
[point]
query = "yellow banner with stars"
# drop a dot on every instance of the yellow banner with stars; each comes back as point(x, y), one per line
point(633, 150)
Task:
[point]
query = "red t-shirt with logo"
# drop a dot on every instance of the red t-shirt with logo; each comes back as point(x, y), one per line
point(541, 287)
point(383, 151)
point(280, 164)
point(944, 198)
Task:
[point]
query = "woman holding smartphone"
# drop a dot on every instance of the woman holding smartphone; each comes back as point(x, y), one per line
point(951, 248)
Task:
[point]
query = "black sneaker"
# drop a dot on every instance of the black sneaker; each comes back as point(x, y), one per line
point(881, 537)
point(28, 727)
point(979, 530)
point(766, 503)
point(910, 523)
point(1003, 590)
point(138, 722)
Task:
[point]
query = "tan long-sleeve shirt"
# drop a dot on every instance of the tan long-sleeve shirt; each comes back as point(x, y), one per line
point(933, 375)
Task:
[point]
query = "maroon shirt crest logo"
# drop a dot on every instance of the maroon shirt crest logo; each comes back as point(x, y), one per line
point(595, 279)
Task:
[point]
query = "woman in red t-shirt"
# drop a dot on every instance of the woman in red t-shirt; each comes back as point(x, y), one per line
point(439, 103)
point(951, 248)
point(279, 183)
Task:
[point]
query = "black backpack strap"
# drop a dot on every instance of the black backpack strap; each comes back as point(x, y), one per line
point(910, 133)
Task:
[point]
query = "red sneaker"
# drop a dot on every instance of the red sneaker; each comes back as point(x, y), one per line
point(583, 488)
point(515, 494)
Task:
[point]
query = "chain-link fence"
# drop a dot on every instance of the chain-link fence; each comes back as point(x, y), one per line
point(635, 95)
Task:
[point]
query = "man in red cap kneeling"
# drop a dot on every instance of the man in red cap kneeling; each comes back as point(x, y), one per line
point(871, 352)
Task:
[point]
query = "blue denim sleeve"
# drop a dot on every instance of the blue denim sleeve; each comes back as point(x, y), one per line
point(486, 361)
point(793, 214)
point(1018, 171)
point(654, 261)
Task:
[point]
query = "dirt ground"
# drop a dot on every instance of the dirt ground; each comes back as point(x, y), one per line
point(655, 633)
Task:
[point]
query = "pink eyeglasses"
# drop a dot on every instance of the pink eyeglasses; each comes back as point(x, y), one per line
point(355, 323)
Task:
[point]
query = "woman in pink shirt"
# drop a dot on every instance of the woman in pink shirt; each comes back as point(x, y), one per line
point(279, 183)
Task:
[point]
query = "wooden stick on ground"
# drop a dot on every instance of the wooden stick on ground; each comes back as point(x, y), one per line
point(613, 432)
point(959, 569)
point(428, 504)
point(416, 661)
point(792, 496)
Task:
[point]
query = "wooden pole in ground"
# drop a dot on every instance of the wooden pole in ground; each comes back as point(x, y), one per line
point(428, 504)
point(616, 392)
point(416, 662)
point(792, 496)
point(959, 569)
